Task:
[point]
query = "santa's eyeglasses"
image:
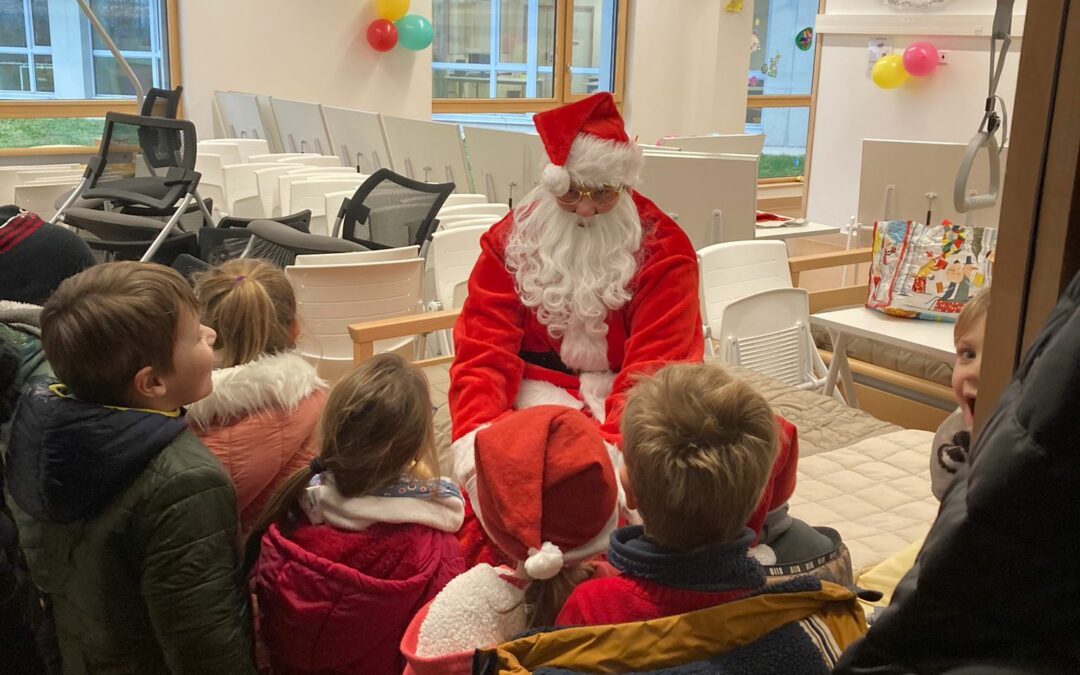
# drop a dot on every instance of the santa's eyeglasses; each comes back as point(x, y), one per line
point(601, 197)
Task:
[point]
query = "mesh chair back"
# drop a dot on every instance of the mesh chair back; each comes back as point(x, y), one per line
point(168, 98)
point(390, 211)
point(165, 144)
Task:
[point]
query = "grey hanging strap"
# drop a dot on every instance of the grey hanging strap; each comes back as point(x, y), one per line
point(991, 122)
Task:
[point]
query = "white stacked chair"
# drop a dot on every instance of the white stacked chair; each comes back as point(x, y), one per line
point(454, 222)
point(381, 255)
point(311, 194)
point(283, 200)
point(453, 255)
point(246, 147)
point(330, 297)
point(499, 210)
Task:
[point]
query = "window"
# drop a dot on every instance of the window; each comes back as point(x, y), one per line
point(54, 65)
point(525, 55)
point(780, 84)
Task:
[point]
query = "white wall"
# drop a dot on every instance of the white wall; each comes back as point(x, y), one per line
point(312, 50)
point(946, 106)
point(686, 64)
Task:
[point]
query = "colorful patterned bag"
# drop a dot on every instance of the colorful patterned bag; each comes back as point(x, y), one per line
point(929, 271)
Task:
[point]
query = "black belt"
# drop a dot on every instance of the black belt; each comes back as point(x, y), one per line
point(549, 360)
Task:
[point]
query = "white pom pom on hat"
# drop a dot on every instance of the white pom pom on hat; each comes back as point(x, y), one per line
point(545, 562)
point(556, 179)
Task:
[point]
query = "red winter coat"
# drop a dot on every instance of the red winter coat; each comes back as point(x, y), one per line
point(336, 601)
point(660, 324)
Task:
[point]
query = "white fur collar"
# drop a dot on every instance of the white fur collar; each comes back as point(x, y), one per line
point(271, 381)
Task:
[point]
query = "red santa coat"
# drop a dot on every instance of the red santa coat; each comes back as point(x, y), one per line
point(660, 324)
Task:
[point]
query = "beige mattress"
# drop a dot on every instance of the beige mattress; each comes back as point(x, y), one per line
point(823, 423)
point(875, 493)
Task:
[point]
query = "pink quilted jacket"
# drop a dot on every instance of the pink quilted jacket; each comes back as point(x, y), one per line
point(260, 422)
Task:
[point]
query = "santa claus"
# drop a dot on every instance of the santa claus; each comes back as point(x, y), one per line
point(584, 285)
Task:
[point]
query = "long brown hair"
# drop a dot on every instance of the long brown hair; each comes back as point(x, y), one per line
point(544, 599)
point(375, 427)
point(252, 307)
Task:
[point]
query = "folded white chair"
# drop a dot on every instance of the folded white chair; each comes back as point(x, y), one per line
point(734, 270)
point(769, 332)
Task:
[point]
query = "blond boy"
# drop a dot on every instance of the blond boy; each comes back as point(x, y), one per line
point(699, 447)
point(953, 438)
point(127, 521)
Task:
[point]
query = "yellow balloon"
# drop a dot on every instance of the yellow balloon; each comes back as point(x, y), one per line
point(889, 73)
point(391, 10)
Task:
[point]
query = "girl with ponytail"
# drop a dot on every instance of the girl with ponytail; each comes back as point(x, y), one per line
point(260, 419)
point(357, 541)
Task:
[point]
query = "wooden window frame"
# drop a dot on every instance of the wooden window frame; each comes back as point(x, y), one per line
point(29, 109)
point(796, 101)
point(564, 28)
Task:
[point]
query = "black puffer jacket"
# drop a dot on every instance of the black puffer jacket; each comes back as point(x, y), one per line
point(128, 524)
point(996, 587)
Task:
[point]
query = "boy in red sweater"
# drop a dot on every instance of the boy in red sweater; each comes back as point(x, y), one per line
point(699, 446)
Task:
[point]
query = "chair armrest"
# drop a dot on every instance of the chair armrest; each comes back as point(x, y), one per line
point(365, 333)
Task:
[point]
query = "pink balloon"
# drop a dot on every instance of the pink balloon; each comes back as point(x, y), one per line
point(920, 59)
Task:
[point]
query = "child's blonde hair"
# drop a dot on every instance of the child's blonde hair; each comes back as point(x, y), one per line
point(975, 308)
point(699, 446)
point(376, 426)
point(252, 307)
point(109, 321)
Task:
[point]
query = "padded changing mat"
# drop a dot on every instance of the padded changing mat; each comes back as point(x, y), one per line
point(876, 493)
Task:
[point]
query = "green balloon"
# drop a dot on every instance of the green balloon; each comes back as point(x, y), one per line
point(414, 32)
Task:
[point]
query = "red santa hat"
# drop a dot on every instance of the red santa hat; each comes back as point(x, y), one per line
point(546, 492)
point(586, 142)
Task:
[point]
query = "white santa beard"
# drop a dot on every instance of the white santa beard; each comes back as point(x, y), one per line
point(574, 270)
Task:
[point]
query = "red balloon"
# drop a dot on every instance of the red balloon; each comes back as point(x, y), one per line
point(382, 35)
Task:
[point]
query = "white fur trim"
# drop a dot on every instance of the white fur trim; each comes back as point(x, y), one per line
point(763, 554)
point(271, 381)
point(556, 179)
point(532, 393)
point(595, 390)
point(324, 504)
point(545, 562)
point(598, 161)
point(583, 352)
point(463, 454)
point(476, 609)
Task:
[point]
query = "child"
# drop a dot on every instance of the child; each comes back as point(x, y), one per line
point(260, 419)
point(353, 545)
point(127, 521)
point(953, 438)
point(699, 447)
point(547, 495)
